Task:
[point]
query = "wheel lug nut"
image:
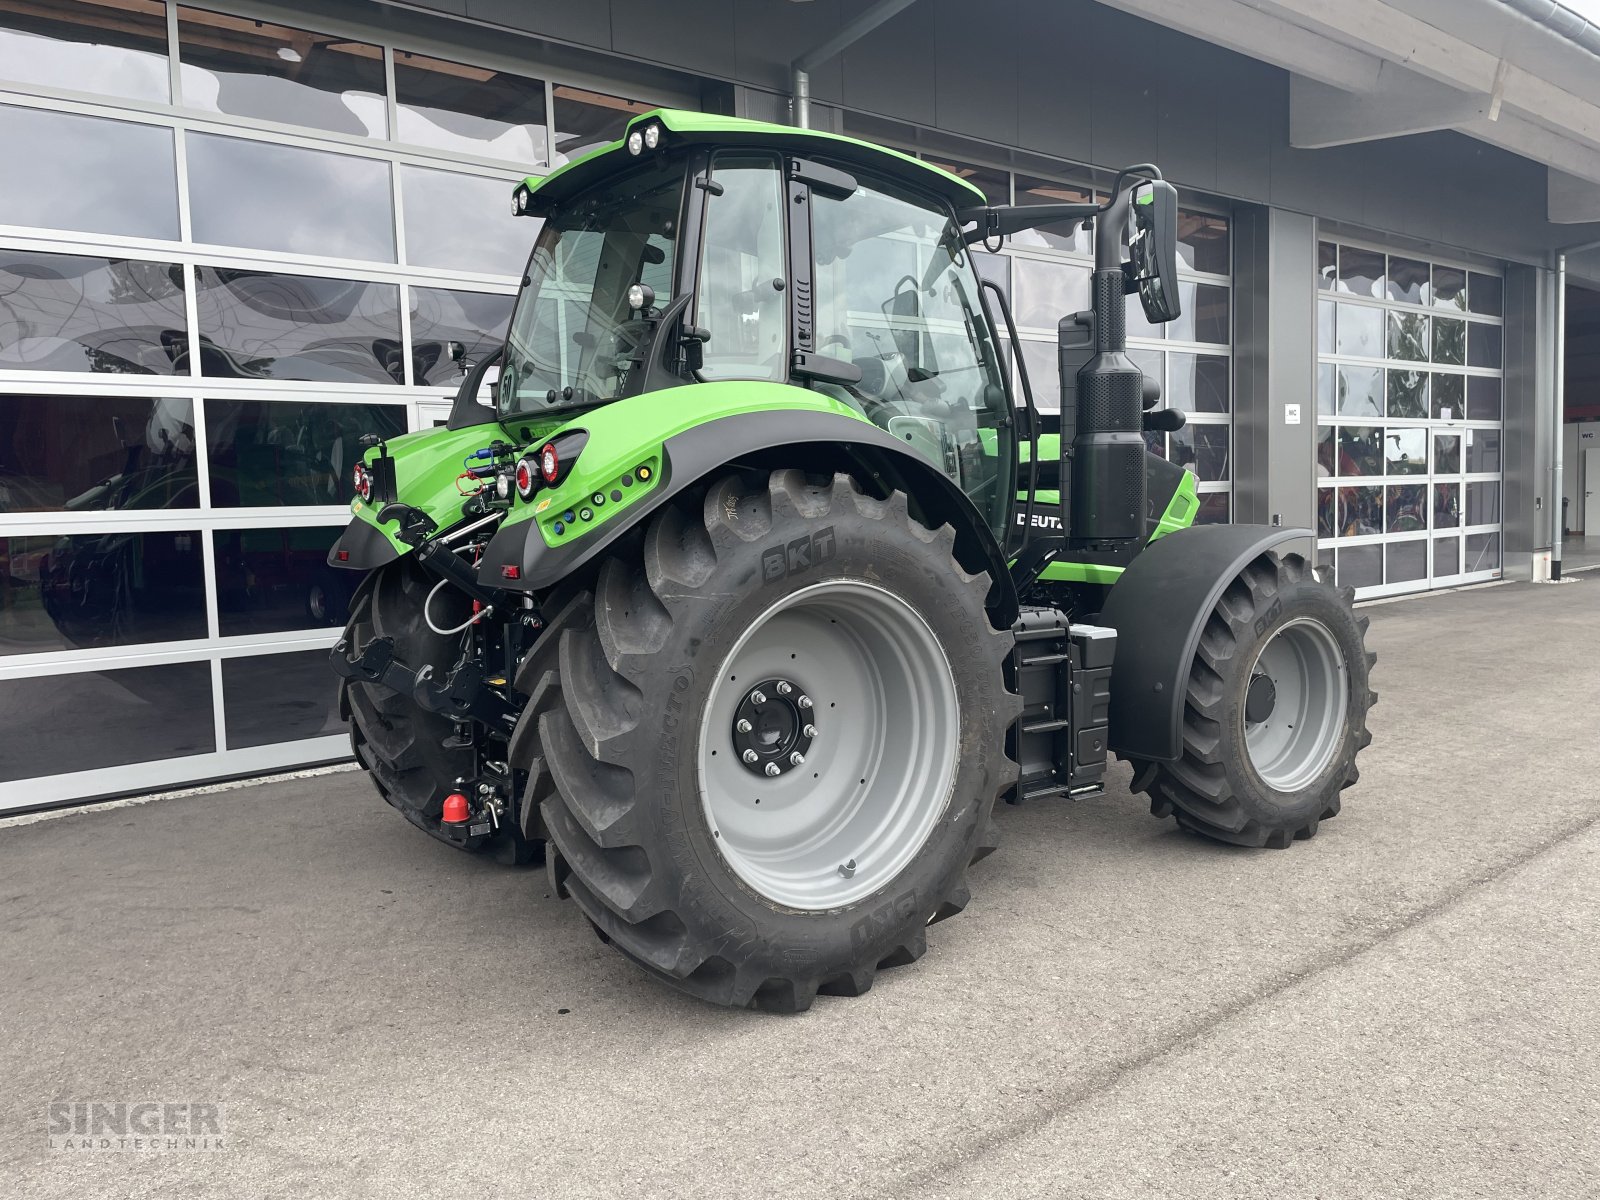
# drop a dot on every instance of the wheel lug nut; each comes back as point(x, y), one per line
point(750, 756)
point(744, 726)
point(797, 759)
point(810, 731)
point(774, 769)
point(758, 697)
point(784, 687)
point(804, 701)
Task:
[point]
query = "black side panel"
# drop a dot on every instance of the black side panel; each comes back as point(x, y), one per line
point(692, 455)
point(363, 548)
point(1159, 608)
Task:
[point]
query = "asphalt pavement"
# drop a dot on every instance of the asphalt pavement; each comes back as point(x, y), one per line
point(1407, 1005)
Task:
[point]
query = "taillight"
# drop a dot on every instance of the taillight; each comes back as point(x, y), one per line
point(549, 463)
point(363, 482)
point(526, 484)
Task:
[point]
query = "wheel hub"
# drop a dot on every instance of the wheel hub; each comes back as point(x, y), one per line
point(1260, 698)
point(772, 728)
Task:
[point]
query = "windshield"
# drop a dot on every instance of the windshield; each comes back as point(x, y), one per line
point(572, 335)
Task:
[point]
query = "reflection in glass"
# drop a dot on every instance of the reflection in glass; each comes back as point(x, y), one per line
point(270, 197)
point(1483, 450)
point(1360, 450)
point(1405, 451)
point(1325, 563)
point(1327, 266)
point(63, 165)
point(1327, 453)
point(1360, 271)
point(1483, 550)
point(585, 119)
point(96, 453)
point(1408, 394)
point(254, 325)
point(139, 714)
point(1204, 317)
point(438, 317)
point(1155, 442)
point(1483, 504)
point(1327, 388)
point(66, 592)
point(1043, 373)
point(1483, 398)
point(1484, 296)
point(275, 580)
point(463, 222)
point(1446, 505)
point(1325, 342)
point(1405, 508)
point(997, 269)
point(1360, 331)
point(995, 184)
point(1449, 288)
point(285, 452)
point(1327, 524)
point(59, 312)
point(1483, 345)
point(1446, 556)
point(249, 68)
point(1407, 280)
point(1203, 242)
point(1197, 383)
point(1360, 511)
point(1446, 454)
point(1070, 236)
point(1047, 291)
point(270, 698)
point(118, 50)
point(742, 265)
point(1213, 509)
point(476, 109)
point(1360, 566)
point(1139, 326)
point(1361, 391)
point(1408, 336)
point(1448, 393)
point(1449, 341)
point(1211, 451)
point(1406, 561)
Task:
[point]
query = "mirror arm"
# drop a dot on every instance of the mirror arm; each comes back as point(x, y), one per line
point(1002, 220)
point(465, 411)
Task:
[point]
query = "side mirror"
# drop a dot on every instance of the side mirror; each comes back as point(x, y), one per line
point(1153, 250)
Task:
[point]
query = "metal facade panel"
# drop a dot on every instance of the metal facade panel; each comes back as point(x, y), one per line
point(696, 37)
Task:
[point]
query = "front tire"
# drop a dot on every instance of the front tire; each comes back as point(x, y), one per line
point(730, 612)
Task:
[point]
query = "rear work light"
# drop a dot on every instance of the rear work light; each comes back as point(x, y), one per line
point(363, 482)
point(527, 482)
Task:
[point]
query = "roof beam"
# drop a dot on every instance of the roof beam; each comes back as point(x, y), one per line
point(1403, 102)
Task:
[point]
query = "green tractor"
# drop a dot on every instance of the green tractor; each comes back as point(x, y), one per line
point(756, 582)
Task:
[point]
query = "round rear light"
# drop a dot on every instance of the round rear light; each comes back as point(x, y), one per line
point(549, 463)
point(363, 482)
point(525, 480)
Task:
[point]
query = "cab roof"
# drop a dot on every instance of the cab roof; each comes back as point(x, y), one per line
point(692, 128)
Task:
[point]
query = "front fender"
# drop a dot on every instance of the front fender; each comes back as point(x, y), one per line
point(1159, 608)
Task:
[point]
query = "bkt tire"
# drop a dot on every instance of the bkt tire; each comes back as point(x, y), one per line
point(779, 736)
point(1275, 711)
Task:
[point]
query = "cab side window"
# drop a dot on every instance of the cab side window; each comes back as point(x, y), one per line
point(743, 300)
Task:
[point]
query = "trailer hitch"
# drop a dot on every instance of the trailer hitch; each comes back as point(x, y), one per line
point(464, 694)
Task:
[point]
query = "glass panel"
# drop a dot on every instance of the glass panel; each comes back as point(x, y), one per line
point(1360, 331)
point(1204, 317)
point(1405, 451)
point(994, 183)
point(476, 109)
point(269, 698)
point(743, 300)
point(1327, 388)
point(249, 68)
point(1483, 450)
point(1213, 509)
point(1407, 281)
point(1408, 394)
point(1446, 454)
point(1484, 295)
point(585, 120)
point(96, 453)
point(140, 715)
point(1483, 344)
point(275, 452)
point(1360, 450)
point(1062, 235)
point(1203, 242)
point(1446, 556)
point(1406, 508)
point(1449, 288)
point(1156, 443)
point(1327, 266)
point(270, 197)
point(60, 312)
point(1048, 291)
point(439, 316)
point(1408, 336)
point(1449, 341)
point(1360, 566)
point(1361, 391)
point(1483, 551)
point(1360, 271)
point(1325, 342)
point(1197, 383)
point(1325, 563)
point(120, 50)
point(1483, 504)
point(1406, 561)
point(259, 326)
point(995, 268)
point(1483, 398)
point(66, 592)
point(1327, 523)
point(1447, 399)
point(1360, 511)
point(1044, 373)
point(1327, 452)
point(275, 580)
point(1139, 326)
point(63, 162)
point(1446, 505)
point(463, 222)
point(1210, 450)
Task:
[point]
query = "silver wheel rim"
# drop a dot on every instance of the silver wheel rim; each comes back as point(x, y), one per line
point(1297, 733)
point(876, 768)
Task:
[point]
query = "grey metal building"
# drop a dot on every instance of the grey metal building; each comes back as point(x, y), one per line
point(236, 237)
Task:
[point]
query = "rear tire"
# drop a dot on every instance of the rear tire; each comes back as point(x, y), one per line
point(635, 802)
point(1275, 711)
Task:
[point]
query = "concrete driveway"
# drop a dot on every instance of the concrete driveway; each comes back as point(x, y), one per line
point(1405, 1006)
